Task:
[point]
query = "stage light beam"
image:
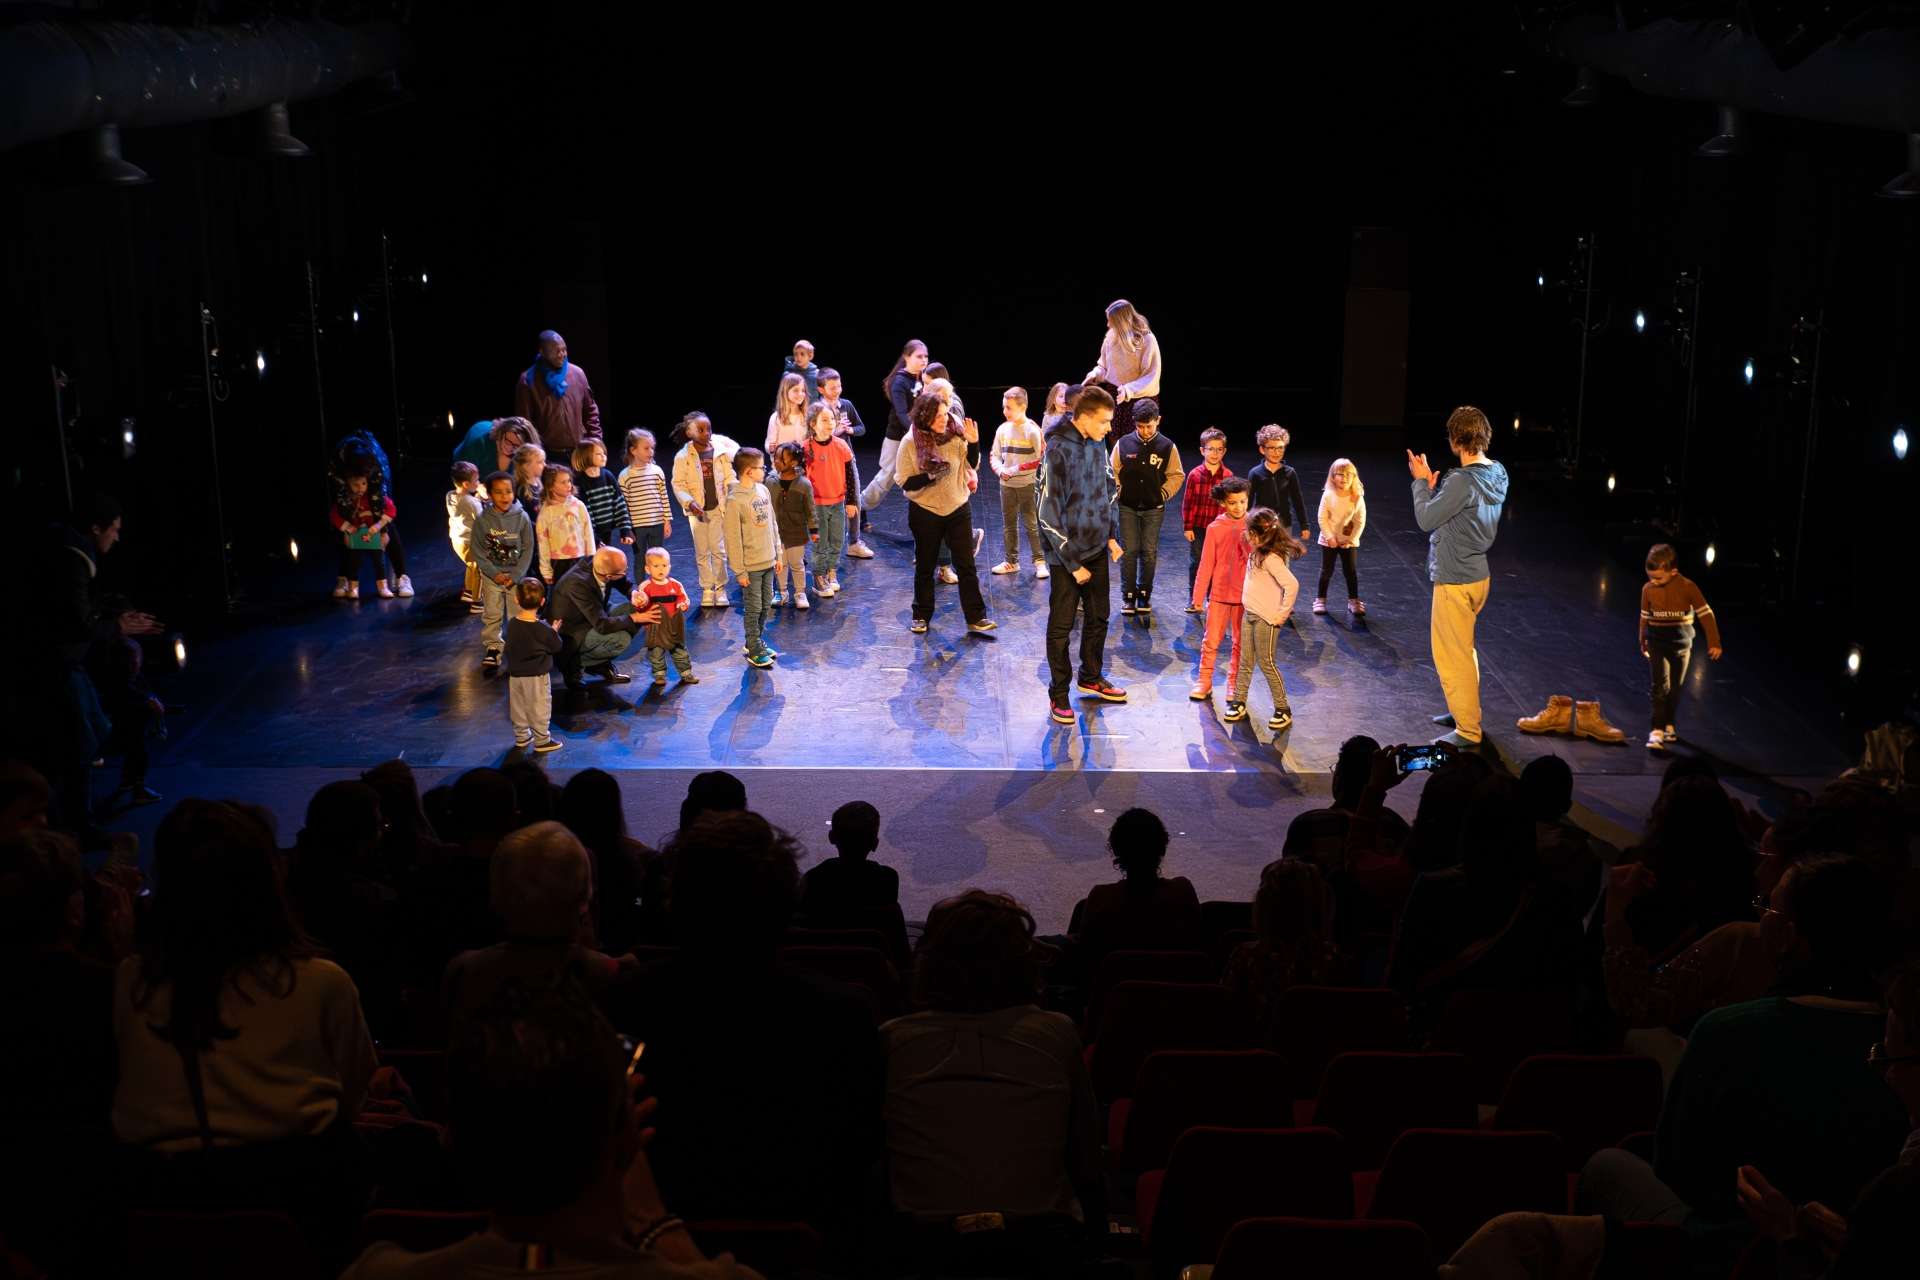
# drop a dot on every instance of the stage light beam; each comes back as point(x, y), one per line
point(180, 651)
point(1747, 370)
point(356, 315)
point(1712, 554)
point(1639, 322)
point(1853, 661)
point(260, 363)
point(1612, 481)
point(1900, 443)
point(293, 549)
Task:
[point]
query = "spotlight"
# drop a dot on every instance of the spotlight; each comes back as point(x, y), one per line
point(1540, 282)
point(1853, 660)
point(1611, 482)
point(128, 437)
point(1516, 422)
point(356, 315)
point(260, 363)
point(423, 277)
point(1747, 371)
point(1639, 322)
point(1711, 555)
point(1900, 443)
point(179, 651)
point(449, 417)
point(293, 549)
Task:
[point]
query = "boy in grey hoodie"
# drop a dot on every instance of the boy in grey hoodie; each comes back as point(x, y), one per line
point(1461, 516)
point(503, 551)
point(747, 529)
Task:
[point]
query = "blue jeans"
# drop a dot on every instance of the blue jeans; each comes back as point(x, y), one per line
point(1140, 536)
point(755, 598)
point(602, 647)
point(833, 537)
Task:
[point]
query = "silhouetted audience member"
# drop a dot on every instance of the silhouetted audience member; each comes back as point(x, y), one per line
point(547, 1129)
point(534, 793)
point(1701, 865)
point(339, 894)
point(850, 886)
point(768, 1077)
point(410, 839)
point(57, 1057)
point(1569, 857)
point(1293, 914)
point(25, 799)
point(243, 1055)
point(591, 807)
point(447, 908)
point(989, 1108)
point(1142, 910)
point(1364, 862)
point(715, 791)
point(1781, 1083)
point(542, 885)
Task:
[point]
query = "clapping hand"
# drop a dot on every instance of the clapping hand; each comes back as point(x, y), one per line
point(970, 431)
point(1417, 467)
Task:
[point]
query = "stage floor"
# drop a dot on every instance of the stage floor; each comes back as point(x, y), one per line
point(323, 689)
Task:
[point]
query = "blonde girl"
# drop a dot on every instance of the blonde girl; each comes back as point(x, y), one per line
point(564, 529)
point(1343, 517)
point(529, 463)
point(787, 424)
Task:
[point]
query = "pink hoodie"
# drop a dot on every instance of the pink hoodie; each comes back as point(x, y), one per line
point(1223, 562)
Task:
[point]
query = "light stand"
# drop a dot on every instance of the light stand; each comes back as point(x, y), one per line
point(1818, 330)
point(216, 391)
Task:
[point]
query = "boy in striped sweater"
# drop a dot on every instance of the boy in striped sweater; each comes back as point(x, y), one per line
point(1670, 605)
point(643, 485)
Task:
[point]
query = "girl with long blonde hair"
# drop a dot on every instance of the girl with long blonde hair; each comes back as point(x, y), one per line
point(1343, 517)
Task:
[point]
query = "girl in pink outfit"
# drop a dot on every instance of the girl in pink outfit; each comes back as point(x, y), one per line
point(1269, 596)
point(564, 529)
point(1343, 518)
point(1219, 581)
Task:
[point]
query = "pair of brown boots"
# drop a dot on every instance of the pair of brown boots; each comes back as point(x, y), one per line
point(1563, 715)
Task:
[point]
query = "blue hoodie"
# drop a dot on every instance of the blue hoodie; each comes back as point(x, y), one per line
point(1461, 516)
point(1079, 501)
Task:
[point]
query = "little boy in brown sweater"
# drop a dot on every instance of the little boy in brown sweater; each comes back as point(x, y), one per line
point(1670, 606)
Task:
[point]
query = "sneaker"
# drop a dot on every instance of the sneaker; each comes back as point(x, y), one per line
point(1444, 719)
point(353, 591)
point(860, 551)
point(1657, 740)
point(918, 626)
point(1201, 693)
point(1235, 711)
point(800, 600)
point(1006, 566)
point(404, 587)
point(947, 575)
point(979, 536)
point(1040, 570)
point(689, 678)
point(1673, 735)
point(1062, 713)
point(983, 626)
point(1280, 719)
point(1196, 608)
point(1319, 606)
point(1358, 608)
point(551, 744)
point(1142, 606)
point(659, 682)
point(778, 599)
point(466, 596)
point(135, 793)
point(492, 658)
point(476, 607)
point(762, 659)
point(613, 675)
point(1126, 606)
point(706, 597)
point(384, 591)
point(521, 744)
point(339, 588)
point(1458, 742)
point(1104, 689)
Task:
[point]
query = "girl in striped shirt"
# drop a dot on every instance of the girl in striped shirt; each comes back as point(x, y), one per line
point(644, 486)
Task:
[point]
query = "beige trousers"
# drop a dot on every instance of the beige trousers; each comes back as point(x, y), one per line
point(1456, 606)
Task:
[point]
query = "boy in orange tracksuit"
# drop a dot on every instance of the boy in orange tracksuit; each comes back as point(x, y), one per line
point(1219, 581)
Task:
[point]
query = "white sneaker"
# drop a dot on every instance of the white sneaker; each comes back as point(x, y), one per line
point(800, 600)
point(1006, 566)
point(339, 588)
point(1657, 741)
point(979, 536)
point(827, 590)
point(404, 587)
point(860, 551)
point(385, 591)
point(353, 591)
point(947, 575)
point(1040, 570)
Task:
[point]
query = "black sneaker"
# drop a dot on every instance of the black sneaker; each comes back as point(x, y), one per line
point(1444, 719)
point(983, 626)
point(551, 744)
point(1235, 711)
point(491, 661)
point(1104, 689)
point(918, 626)
point(1126, 606)
point(1142, 605)
point(612, 674)
point(1062, 713)
point(1282, 719)
point(134, 793)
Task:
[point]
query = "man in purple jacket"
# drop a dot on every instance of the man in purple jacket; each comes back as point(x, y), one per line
point(555, 397)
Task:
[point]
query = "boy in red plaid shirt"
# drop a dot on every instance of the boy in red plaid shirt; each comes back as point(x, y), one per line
point(1198, 508)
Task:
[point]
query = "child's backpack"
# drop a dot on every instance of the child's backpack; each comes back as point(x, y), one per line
point(353, 453)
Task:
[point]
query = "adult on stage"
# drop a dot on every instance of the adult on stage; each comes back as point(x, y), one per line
point(1080, 527)
point(594, 636)
point(554, 396)
point(489, 444)
point(1129, 366)
point(1461, 516)
point(902, 385)
point(932, 467)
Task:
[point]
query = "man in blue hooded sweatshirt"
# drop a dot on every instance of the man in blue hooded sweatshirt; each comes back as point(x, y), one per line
point(1461, 516)
point(1080, 528)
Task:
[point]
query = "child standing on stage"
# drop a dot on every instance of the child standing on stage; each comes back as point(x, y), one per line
point(1268, 598)
point(1343, 518)
point(529, 464)
point(463, 505)
point(801, 362)
point(703, 476)
point(564, 528)
point(362, 519)
point(796, 521)
point(1198, 508)
point(1059, 405)
point(847, 427)
point(787, 424)
point(1015, 457)
point(752, 547)
point(1670, 605)
point(1221, 578)
point(829, 467)
point(1276, 486)
point(531, 645)
point(667, 637)
point(503, 550)
point(595, 486)
point(643, 484)
point(1146, 466)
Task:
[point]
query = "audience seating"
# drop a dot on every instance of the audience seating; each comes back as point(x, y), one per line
point(1181, 1089)
point(417, 1229)
point(888, 922)
point(1316, 1023)
point(1217, 1177)
point(1217, 917)
point(1140, 1018)
point(1370, 1099)
point(1591, 1101)
point(241, 1244)
point(1313, 1249)
point(1498, 1029)
point(1221, 949)
point(862, 967)
point(1117, 967)
point(1453, 1181)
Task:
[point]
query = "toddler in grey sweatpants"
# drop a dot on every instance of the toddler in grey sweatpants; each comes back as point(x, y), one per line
point(531, 645)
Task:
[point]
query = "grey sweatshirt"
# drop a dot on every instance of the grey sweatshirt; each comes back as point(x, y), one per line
point(503, 541)
point(747, 528)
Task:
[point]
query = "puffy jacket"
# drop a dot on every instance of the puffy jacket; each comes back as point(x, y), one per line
point(1079, 500)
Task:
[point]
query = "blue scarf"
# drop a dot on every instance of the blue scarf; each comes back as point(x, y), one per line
point(556, 379)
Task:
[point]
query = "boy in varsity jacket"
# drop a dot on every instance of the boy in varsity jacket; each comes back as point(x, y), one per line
point(1147, 466)
point(1670, 606)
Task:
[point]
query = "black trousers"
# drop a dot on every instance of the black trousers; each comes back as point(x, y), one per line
point(1346, 557)
point(954, 531)
point(1667, 661)
point(1065, 597)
